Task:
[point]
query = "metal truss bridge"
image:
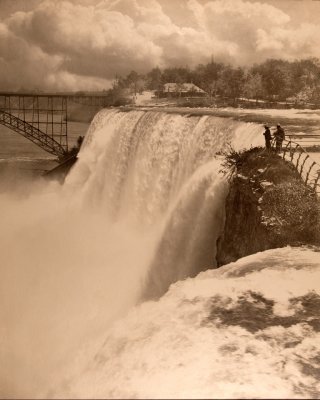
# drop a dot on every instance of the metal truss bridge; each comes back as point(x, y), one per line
point(43, 118)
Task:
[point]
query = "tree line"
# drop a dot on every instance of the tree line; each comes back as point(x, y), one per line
point(272, 80)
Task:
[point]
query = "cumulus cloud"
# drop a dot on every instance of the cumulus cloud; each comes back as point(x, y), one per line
point(22, 62)
point(84, 44)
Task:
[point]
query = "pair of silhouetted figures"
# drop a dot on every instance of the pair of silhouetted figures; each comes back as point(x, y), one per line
point(278, 135)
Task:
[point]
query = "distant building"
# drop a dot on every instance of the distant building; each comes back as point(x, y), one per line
point(181, 90)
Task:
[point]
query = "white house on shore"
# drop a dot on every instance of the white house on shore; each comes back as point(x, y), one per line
point(181, 90)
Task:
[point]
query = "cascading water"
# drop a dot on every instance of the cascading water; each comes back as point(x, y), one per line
point(136, 162)
point(142, 208)
point(162, 169)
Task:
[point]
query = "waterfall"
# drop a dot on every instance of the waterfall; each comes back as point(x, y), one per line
point(160, 169)
point(136, 162)
point(142, 208)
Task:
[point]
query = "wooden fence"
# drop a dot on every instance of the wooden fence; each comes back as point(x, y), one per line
point(308, 169)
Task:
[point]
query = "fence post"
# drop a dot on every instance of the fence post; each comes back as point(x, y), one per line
point(298, 159)
point(301, 169)
point(292, 152)
point(286, 148)
point(308, 173)
point(316, 182)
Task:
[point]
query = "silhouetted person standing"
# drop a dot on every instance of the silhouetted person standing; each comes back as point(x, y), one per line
point(267, 136)
point(79, 141)
point(279, 136)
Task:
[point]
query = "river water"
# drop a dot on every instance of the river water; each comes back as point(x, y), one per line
point(22, 159)
point(138, 218)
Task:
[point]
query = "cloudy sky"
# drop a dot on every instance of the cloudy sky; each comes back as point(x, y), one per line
point(83, 44)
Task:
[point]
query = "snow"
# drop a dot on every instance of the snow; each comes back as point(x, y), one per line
point(291, 113)
point(144, 98)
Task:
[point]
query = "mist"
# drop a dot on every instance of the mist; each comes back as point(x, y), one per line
point(65, 274)
point(77, 256)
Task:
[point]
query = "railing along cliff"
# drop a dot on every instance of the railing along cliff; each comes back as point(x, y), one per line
point(308, 169)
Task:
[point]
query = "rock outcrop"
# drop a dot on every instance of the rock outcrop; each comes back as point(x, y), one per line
point(268, 206)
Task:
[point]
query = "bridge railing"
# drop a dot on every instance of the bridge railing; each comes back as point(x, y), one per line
point(306, 166)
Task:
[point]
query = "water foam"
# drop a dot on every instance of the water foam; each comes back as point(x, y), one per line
point(247, 330)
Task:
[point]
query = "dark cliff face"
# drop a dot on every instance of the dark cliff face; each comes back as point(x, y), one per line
point(268, 206)
point(243, 234)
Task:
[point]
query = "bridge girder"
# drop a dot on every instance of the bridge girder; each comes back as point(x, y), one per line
point(43, 117)
point(32, 133)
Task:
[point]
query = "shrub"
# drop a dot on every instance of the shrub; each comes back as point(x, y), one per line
point(290, 208)
point(296, 208)
point(235, 159)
